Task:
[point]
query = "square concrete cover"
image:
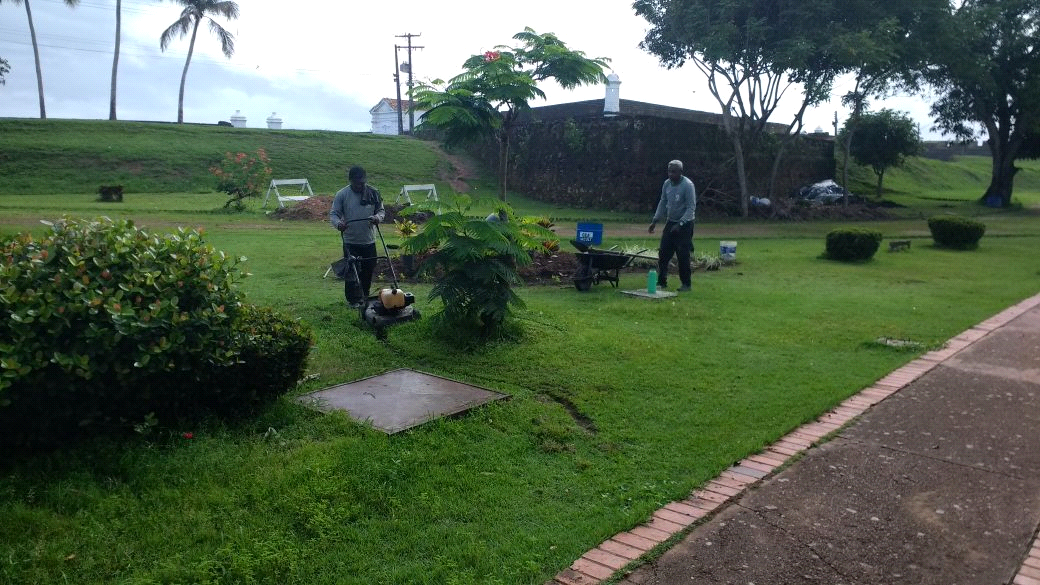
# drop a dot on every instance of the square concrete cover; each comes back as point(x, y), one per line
point(660, 294)
point(400, 399)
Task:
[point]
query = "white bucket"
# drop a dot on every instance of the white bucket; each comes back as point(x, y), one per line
point(728, 251)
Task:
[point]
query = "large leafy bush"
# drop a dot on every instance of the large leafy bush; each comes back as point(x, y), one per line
point(270, 352)
point(475, 264)
point(102, 324)
point(952, 231)
point(852, 244)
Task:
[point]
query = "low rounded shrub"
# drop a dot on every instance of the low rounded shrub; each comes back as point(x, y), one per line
point(271, 351)
point(103, 324)
point(852, 244)
point(951, 231)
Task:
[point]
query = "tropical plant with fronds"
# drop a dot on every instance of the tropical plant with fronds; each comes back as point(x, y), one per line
point(195, 11)
point(475, 264)
point(497, 86)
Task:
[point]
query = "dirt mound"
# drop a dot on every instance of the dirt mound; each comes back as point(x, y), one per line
point(311, 209)
point(544, 269)
point(317, 209)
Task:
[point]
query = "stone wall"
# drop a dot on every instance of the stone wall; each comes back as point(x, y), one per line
point(945, 150)
point(573, 155)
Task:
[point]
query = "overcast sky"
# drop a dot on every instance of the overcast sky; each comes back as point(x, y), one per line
point(324, 65)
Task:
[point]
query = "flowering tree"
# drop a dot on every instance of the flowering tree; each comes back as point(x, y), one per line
point(242, 175)
point(496, 87)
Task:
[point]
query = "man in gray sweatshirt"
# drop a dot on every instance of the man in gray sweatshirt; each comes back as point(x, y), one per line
point(355, 211)
point(678, 205)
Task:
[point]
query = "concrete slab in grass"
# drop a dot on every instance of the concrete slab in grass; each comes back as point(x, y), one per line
point(642, 293)
point(400, 399)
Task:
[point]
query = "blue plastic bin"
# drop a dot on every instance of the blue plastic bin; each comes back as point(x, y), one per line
point(590, 233)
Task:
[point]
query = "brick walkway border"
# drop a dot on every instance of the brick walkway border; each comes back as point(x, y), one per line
point(600, 563)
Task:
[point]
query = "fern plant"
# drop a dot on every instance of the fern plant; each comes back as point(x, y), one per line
point(474, 263)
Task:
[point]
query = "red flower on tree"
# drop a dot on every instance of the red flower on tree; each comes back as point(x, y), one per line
point(490, 56)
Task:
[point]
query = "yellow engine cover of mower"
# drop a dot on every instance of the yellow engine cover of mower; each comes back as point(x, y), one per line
point(392, 298)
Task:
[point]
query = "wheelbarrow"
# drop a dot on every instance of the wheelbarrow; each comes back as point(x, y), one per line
point(596, 266)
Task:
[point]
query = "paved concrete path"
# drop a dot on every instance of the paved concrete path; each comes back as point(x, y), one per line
point(931, 476)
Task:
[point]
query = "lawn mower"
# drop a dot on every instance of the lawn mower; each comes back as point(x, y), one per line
point(388, 306)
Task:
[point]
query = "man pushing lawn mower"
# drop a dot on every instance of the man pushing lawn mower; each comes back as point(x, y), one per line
point(352, 206)
point(357, 211)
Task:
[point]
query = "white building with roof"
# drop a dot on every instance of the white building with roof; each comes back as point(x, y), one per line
point(384, 116)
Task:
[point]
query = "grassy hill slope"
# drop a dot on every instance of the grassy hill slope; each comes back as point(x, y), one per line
point(77, 156)
point(964, 178)
point(67, 156)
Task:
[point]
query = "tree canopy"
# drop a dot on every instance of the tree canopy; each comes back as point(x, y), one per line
point(985, 65)
point(884, 140)
point(753, 53)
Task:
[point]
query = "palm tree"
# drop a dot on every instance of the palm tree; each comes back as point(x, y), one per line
point(36, 49)
point(115, 62)
point(192, 15)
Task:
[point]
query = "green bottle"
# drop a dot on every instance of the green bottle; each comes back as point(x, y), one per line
point(651, 282)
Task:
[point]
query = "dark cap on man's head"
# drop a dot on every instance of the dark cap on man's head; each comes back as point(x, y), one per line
point(356, 173)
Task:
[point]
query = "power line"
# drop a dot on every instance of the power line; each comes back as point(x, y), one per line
point(170, 55)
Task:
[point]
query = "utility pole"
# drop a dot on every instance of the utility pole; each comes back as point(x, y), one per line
point(411, 110)
point(397, 81)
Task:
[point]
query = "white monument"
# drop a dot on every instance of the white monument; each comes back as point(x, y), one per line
point(238, 120)
point(274, 122)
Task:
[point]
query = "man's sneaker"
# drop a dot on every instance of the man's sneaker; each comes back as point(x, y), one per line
point(685, 288)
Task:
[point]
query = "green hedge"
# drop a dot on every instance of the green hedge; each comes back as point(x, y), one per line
point(852, 244)
point(103, 324)
point(951, 231)
point(271, 351)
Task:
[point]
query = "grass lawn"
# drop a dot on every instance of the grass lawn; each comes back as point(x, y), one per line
point(618, 405)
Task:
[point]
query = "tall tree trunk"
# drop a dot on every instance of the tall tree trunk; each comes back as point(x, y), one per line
point(776, 167)
point(738, 150)
point(115, 63)
point(503, 164)
point(1002, 180)
point(1004, 148)
point(847, 148)
point(184, 75)
point(880, 178)
point(36, 53)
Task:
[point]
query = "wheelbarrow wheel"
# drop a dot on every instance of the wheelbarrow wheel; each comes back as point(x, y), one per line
point(583, 278)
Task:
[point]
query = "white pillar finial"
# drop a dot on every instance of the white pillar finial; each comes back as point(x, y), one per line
point(612, 103)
